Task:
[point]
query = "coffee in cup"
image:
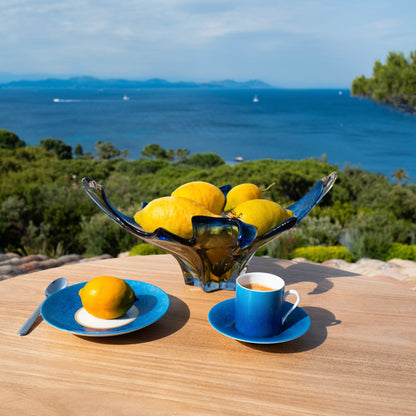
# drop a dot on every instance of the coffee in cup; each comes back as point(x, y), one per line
point(257, 286)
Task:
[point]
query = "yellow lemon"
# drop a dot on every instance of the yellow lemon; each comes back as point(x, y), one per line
point(261, 213)
point(107, 297)
point(203, 193)
point(173, 213)
point(241, 193)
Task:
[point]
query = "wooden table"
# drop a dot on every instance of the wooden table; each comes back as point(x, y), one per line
point(358, 357)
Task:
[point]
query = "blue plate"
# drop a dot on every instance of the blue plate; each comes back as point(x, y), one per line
point(64, 311)
point(221, 317)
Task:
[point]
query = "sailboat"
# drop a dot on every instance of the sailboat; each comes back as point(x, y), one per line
point(255, 99)
point(125, 97)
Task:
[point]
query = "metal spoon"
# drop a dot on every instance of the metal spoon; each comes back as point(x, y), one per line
point(56, 285)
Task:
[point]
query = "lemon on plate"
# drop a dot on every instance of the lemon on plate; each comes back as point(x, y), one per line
point(107, 297)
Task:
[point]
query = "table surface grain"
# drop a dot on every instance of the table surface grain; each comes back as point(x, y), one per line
point(358, 357)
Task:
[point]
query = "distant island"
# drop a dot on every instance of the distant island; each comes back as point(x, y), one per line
point(86, 82)
point(393, 82)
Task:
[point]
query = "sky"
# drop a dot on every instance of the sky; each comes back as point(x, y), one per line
point(286, 43)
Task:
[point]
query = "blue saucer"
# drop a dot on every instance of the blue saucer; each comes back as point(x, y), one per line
point(221, 317)
point(63, 310)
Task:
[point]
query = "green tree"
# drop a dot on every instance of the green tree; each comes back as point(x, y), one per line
point(106, 150)
point(181, 153)
point(203, 160)
point(400, 175)
point(10, 140)
point(78, 150)
point(61, 149)
point(156, 151)
point(103, 236)
point(361, 86)
point(13, 212)
point(393, 82)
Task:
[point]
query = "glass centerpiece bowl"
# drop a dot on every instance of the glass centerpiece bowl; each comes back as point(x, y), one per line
point(221, 247)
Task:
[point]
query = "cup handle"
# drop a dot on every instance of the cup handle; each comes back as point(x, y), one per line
point(291, 292)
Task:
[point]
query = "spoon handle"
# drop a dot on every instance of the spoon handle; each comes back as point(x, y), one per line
point(27, 325)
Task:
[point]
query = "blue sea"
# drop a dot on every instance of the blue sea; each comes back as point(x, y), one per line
point(283, 124)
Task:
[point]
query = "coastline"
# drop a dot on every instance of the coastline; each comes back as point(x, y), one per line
point(284, 124)
point(398, 103)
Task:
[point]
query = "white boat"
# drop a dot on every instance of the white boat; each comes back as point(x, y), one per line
point(65, 100)
point(255, 99)
point(238, 158)
point(125, 97)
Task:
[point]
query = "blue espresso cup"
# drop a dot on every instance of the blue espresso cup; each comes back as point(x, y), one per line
point(259, 301)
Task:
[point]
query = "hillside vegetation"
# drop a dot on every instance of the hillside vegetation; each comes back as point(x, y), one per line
point(43, 208)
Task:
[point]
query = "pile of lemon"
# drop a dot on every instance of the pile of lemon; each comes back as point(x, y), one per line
point(245, 202)
point(108, 297)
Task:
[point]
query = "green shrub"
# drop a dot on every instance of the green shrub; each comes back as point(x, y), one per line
point(204, 160)
point(280, 248)
point(320, 254)
point(145, 249)
point(401, 251)
point(10, 140)
point(371, 234)
point(100, 235)
point(61, 149)
point(314, 231)
point(43, 206)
